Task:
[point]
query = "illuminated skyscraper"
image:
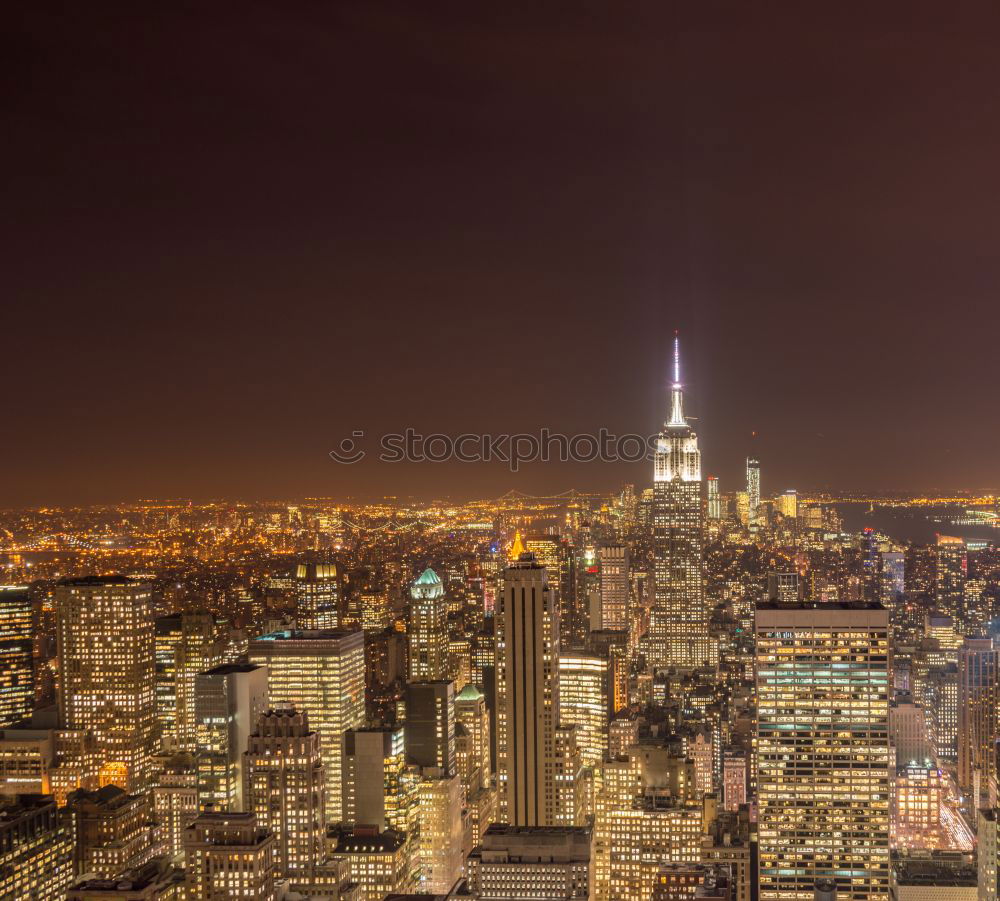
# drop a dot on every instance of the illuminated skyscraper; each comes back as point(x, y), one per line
point(380, 790)
point(36, 849)
point(229, 856)
point(553, 552)
point(678, 629)
point(614, 561)
point(113, 831)
point(584, 692)
point(379, 862)
point(428, 628)
point(430, 725)
point(17, 631)
point(753, 492)
point(988, 836)
point(321, 672)
point(714, 499)
point(527, 686)
point(950, 573)
point(175, 800)
point(869, 565)
point(892, 577)
point(978, 715)
point(105, 639)
point(823, 749)
point(186, 644)
point(788, 504)
point(472, 748)
point(441, 831)
point(317, 595)
point(284, 787)
point(228, 700)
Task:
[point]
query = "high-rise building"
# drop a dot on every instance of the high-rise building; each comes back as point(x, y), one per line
point(908, 731)
point(584, 691)
point(714, 498)
point(175, 800)
point(185, 644)
point(380, 789)
point(951, 569)
point(554, 552)
point(441, 830)
point(113, 831)
point(869, 565)
point(17, 671)
point(615, 607)
point(105, 641)
point(734, 780)
point(228, 700)
point(822, 683)
point(678, 628)
point(644, 835)
point(473, 716)
point(892, 577)
point(321, 672)
point(527, 687)
point(284, 786)
point(617, 649)
point(472, 748)
point(570, 787)
point(430, 725)
point(978, 715)
point(229, 856)
point(431, 747)
point(36, 849)
point(788, 504)
point(428, 630)
point(941, 701)
point(988, 835)
point(783, 587)
point(379, 862)
point(514, 863)
point(753, 492)
point(317, 596)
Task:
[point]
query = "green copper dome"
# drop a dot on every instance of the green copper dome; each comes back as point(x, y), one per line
point(428, 577)
point(427, 586)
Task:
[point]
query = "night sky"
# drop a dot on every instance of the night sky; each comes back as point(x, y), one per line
point(234, 233)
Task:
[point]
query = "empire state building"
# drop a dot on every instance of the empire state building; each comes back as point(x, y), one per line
point(678, 627)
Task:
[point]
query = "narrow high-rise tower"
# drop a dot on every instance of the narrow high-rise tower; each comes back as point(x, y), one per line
point(527, 659)
point(105, 637)
point(753, 492)
point(17, 673)
point(678, 628)
point(428, 628)
point(823, 749)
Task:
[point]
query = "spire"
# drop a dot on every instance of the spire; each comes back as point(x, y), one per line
point(518, 548)
point(676, 393)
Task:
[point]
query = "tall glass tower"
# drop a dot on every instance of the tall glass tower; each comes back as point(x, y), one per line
point(753, 492)
point(678, 627)
point(823, 749)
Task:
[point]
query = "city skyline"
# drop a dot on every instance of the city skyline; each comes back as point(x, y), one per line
point(499, 454)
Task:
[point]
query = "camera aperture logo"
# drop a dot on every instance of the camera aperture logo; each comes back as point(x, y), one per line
point(514, 450)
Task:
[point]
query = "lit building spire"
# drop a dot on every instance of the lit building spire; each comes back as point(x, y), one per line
point(676, 393)
point(518, 547)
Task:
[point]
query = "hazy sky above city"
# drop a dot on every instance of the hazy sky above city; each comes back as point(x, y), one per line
point(235, 233)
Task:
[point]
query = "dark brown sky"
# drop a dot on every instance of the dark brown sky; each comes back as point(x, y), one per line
point(233, 233)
